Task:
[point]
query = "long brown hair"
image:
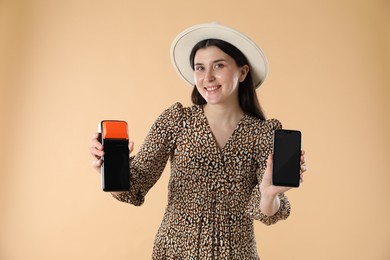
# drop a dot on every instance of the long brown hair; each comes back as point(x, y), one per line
point(246, 92)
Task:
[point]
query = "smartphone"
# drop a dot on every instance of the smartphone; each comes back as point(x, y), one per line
point(115, 170)
point(286, 158)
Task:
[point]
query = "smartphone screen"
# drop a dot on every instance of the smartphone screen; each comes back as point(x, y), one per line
point(115, 168)
point(286, 158)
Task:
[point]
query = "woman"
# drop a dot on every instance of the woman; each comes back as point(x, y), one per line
point(219, 148)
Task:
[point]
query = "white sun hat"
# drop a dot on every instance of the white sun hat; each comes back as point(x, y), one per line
point(183, 44)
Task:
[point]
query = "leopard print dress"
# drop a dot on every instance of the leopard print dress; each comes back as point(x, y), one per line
point(214, 193)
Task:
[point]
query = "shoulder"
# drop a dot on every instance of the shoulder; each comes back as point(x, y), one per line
point(179, 116)
point(176, 108)
point(169, 121)
point(171, 113)
point(262, 131)
point(272, 124)
point(268, 125)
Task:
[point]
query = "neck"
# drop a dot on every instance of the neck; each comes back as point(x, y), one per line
point(223, 114)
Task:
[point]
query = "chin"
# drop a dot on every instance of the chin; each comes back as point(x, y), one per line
point(212, 102)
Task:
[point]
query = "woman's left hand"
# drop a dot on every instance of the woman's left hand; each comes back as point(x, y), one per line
point(270, 201)
point(266, 186)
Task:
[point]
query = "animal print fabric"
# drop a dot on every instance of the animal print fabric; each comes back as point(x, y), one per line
point(214, 193)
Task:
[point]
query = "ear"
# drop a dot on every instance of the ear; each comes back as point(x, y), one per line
point(244, 70)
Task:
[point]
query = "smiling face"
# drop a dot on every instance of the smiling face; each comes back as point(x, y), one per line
point(217, 75)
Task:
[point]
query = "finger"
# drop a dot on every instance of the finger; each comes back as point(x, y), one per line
point(96, 163)
point(96, 142)
point(96, 136)
point(303, 160)
point(131, 146)
point(96, 152)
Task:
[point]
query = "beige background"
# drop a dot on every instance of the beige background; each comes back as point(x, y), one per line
point(65, 65)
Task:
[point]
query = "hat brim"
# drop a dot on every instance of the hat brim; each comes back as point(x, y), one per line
point(183, 44)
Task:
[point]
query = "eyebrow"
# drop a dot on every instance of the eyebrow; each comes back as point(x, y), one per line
point(215, 61)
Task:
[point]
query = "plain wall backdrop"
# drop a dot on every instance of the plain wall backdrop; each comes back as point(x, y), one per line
point(66, 65)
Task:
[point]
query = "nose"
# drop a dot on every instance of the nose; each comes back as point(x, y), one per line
point(209, 75)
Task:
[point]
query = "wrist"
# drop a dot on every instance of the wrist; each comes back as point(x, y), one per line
point(269, 203)
point(269, 194)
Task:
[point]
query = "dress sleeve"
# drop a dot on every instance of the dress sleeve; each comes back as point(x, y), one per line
point(266, 144)
point(148, 164)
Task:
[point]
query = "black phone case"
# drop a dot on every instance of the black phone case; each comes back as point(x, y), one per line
point(115, 170)
point(286, 158)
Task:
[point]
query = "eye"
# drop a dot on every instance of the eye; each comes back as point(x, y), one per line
point(218, 66)
point(199, 68)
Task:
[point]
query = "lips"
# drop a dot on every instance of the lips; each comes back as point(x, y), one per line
point(212, 88)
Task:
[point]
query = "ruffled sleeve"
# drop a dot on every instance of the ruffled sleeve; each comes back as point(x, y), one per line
point(148, 164)
point(266, 144)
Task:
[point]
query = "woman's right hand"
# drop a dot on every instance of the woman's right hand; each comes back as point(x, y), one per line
point(97, 152)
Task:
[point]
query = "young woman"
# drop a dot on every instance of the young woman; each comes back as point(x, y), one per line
point(219, 148)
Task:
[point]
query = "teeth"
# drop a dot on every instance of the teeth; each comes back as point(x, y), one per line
point(212, 88)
